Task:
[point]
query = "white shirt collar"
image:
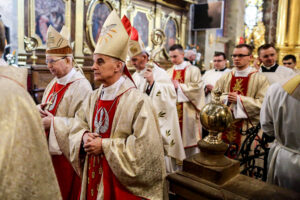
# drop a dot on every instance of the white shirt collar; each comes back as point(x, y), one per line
point(243, 73)
point(181, 66)
point(141, 73)
point(65, 79)
point(110, 92)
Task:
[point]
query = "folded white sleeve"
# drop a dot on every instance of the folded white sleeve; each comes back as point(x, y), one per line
point(53, 144)
point(238, 109)
point(180, 96)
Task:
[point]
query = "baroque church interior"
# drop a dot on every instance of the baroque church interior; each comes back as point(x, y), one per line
point(234, 155)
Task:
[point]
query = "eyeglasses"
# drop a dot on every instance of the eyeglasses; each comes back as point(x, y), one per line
point(239, 55)
point(51, 61)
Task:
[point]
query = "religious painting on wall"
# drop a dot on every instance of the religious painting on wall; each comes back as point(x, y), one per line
point(50, 12)
point(100, 14)
point(97, 13)
point(171, 33)
point(141, 23)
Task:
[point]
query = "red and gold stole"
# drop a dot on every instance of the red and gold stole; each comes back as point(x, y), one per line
point(97, 165)
point(54, 97)
point(69, 182)
point(179, 75)
point(233, 135)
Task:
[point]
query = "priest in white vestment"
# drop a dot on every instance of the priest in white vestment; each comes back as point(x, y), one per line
point(156, 83)
point(210, 77)
point(190, 98)
point(267, 55)
point(62, 98)
point(279, 117)
point(115, 141)
point(243, 90)
point(26, 171)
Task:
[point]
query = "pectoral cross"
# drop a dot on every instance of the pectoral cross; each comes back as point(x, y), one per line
point(48, 104)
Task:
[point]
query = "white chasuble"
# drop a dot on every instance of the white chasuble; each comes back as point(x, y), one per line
point(193, 90)
point(280, 114)
point(164, 97)
point(69, 104)
point(26, 170)
point(134, 150)
point(250, 103)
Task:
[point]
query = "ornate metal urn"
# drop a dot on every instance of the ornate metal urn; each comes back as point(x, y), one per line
point(216, 118)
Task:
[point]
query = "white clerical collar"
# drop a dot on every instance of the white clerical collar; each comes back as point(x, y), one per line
point(110, 92)
point(65, 79)
point(2, 62)
point(270, 67)
point(243, 73)
point(141, 73)
point(182, 65)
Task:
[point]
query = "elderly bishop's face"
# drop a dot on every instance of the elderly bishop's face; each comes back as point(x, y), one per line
point(57, 65)
point(105, 68)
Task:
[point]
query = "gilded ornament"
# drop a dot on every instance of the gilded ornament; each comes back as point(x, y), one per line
point(215, 117)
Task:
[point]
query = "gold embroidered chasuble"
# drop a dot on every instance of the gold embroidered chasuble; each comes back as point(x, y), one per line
point(193, 89)
point(252, 101)
point(163, 97)
point(134, 150)
point(26, 170)
point(68, 106)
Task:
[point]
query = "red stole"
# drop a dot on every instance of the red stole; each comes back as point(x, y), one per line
point(179, 75)
point(97, 165)
point(69, 182)
point(233, 135)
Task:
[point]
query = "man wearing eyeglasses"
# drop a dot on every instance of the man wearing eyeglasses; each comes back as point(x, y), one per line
point(212, 76)
point(267, 55)
point(62, 98)
point(243, 90)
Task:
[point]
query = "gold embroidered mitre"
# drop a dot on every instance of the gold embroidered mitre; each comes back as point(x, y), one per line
point(136, 45)
point(58, 43)
point(114, 37)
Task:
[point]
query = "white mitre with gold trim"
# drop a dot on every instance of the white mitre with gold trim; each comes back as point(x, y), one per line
point(136, 45)
point(114, 37)
point(58, 43)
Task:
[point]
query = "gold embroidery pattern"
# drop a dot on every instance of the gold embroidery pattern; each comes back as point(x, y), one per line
point(179, 111)
point(238, 87)
point(178, 77)
point(105, 32)
point(100, 170)
point(231, 134)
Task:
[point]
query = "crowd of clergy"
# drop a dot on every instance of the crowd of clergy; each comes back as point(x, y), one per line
point(122, 139)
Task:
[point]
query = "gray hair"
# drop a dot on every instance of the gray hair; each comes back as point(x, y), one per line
point(118, 60)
